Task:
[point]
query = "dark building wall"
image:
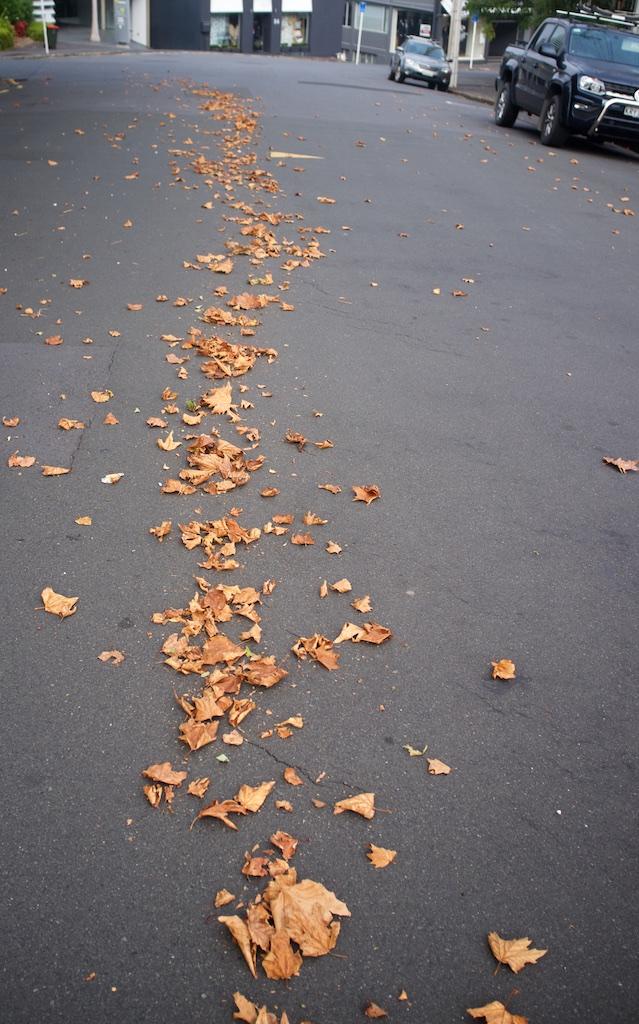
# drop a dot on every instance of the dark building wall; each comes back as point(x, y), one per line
point(326, 28)
point(184, 24)
point(179, 24)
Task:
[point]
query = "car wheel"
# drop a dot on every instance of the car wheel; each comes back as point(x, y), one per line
point(505, 110)
point(551, 129)
point(391, 73)
point(431, 85)
point(442, 86)
point(399, 75)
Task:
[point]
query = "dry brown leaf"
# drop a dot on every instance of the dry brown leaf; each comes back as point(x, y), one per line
point(240, 933)
point(496, 1013)
point(233, 738)
point(168, 443)
point(333, 548)
point(269, 492)
point(115, 657)
point(134, 307)
point(341, 586)
point(361, 803)
point(361, 604)
point(380, 857)
point(436, 767)
point(110, 420)
point(66, 424)
point(197, 734)
point(58, 604)
point(164, 773)
point(246, 1010)
point(161, 531)
point(326, 200)
point(221, 809)
point(222, 897)
point(252, 797)
point(514, 952)
point(284, 805)
point(101, 396)
point(504, 669)
point(83, 521)
point(373, 1010)
point(54, 339)
point(112, 478)
point(333, 488)
point(77, 282)
point(284, 842)
point(54, 471)
point(323, 590)
point(318, 803)
point(16, 461)
point(199, 787)
point(623, 465)
point(156, 421)
point(10, 421)
point(366, 493)
point(303, 539)
point(291, 776)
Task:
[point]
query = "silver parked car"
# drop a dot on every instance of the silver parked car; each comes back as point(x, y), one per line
point(422, 59)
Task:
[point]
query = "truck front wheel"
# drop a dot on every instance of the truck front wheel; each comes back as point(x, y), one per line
point(551, 129)
point(505, 110)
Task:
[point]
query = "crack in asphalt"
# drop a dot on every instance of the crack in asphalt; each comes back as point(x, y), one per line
point(305, 771)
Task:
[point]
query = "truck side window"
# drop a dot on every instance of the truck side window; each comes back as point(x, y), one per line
point(543, 36)
point(558, 39)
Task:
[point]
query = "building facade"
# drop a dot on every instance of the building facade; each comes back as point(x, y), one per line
point(386, 23)
point(310, 27)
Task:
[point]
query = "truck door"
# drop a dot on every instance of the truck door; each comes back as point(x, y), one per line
point(529, 92)
point(547, 66)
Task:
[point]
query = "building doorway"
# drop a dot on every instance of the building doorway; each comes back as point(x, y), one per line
point(261, 33)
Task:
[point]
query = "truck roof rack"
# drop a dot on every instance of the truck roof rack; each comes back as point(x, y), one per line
point(600, 16)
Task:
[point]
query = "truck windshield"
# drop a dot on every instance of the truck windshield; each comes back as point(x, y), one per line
point(425, 50)
point(604, 44)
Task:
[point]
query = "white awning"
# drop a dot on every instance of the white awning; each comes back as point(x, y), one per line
point(448, 7)
point(262, 6)
point(227, 6)
point(297, 6)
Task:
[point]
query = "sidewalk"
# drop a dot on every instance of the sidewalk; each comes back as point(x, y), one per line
point(478, 84)
point(73, 40)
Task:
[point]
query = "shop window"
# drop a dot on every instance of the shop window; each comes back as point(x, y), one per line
point(375, 17)
point(225, 31)
point(294, 32)
point(411, 24)
point(348, 14)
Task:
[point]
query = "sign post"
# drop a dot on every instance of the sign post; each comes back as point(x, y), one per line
point(362, 9)
point(475, 19)
point(44, 28)
point(453, 39)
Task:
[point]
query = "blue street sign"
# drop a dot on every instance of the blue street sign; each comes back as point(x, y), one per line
point(475, 19)
point(362, 6)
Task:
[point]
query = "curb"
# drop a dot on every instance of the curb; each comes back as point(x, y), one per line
point(472, 96)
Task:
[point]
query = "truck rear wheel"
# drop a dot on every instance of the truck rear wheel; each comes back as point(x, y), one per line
point(551, 129)
point(505, 110)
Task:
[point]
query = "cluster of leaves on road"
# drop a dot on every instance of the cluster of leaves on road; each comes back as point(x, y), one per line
point(221, 678)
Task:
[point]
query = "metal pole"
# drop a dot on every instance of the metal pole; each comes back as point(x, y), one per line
point(472, 45)
point(359, 34)
point(453, 40)
point(44, 28)
point(95, 33)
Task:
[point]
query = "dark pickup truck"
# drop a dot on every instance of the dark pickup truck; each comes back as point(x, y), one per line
point(581, 76)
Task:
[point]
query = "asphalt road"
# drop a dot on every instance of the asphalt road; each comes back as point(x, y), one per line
point(500, 533)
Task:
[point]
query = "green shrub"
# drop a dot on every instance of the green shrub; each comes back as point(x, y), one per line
point(35, 31)
point(16, 10)
point(6, 34)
